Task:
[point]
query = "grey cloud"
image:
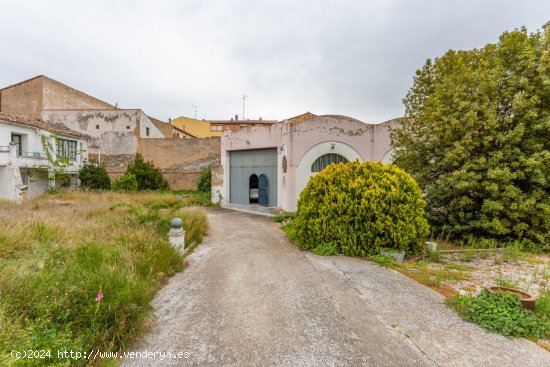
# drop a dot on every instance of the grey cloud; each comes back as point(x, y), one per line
point(348, 57)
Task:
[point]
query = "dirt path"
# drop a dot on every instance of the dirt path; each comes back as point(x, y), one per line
point(251, 298)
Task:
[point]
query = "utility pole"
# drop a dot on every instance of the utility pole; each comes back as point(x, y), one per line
point(244, 100)
point(195, 109)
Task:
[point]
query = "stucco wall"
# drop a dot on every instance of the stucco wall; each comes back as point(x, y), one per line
point(181, 160)
point(199, 128)
point(24, 99)
point(302, 143)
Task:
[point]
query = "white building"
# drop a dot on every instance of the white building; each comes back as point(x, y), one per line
point(25, 170)
point(271, 165)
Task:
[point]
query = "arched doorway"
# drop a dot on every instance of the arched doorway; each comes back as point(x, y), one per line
point(262, 184)
point(253, 189)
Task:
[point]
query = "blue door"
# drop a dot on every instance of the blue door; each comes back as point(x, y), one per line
point(262, 185)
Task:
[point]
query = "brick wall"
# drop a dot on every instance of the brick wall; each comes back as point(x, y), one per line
point(181, 160)
point(58, 96)
point(24, 99)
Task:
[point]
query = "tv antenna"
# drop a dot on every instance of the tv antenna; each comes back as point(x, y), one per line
point(195, 109)
point(244, 100)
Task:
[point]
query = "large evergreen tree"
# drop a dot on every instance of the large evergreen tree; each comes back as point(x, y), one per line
point(477, 139)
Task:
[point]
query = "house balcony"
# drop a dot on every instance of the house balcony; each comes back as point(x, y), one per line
point(32, 160)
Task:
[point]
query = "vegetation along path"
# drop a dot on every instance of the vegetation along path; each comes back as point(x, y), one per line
point(251, 298)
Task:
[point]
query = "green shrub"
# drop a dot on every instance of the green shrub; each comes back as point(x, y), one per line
point(94, 177)
point(477, 140)
point(204, 183)
point(126, 182)
point(147, 175)
point(501, 313)
point(361, 207)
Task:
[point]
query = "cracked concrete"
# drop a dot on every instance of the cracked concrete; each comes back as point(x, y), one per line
point(251, 298)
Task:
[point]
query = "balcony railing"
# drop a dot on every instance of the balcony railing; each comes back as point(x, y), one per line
point(36, 155)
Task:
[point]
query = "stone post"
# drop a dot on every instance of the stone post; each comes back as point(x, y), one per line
point(176, 236)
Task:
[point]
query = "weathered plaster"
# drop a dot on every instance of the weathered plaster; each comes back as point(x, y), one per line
point(303, 142)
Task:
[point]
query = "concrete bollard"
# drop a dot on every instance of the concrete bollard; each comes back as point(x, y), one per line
point(176, 236)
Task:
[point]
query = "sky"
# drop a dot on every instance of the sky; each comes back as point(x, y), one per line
point(353, 58)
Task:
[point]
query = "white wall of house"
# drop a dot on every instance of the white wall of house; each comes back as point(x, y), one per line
point(26, 174)
point(31, 138)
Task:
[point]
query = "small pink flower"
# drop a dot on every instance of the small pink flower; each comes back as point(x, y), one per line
point(99, 296)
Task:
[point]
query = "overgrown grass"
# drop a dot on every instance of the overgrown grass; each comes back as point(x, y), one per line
point(503, 313)
point(326, 249)
point(284, 217)
point(57, 252)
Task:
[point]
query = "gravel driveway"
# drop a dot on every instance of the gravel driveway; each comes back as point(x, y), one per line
point(251, 298)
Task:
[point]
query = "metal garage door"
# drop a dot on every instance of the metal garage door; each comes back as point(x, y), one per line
point(245, 163)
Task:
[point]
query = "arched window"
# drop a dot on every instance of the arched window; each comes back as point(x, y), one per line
point(325, 160)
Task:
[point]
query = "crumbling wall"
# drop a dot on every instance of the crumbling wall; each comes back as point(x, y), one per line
point(181, 160)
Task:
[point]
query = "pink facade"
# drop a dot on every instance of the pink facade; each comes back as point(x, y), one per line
point(300, 143)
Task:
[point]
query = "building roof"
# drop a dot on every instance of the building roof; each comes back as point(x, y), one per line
point(303, 117)
point(269, 122)
point(53, 128)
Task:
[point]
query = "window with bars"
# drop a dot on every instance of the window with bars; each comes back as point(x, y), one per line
point(325, 160)
point(66, 149)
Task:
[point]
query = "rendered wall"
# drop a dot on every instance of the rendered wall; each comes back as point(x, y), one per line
point(200, 129)
point(302, 143)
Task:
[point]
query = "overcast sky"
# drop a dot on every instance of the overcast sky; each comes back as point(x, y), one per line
point(354, 58)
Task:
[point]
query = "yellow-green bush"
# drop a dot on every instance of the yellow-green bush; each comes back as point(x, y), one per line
point(361, 207)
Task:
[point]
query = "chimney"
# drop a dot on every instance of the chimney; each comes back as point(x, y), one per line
point(236, 117)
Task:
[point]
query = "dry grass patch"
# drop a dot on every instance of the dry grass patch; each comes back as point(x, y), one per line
point(58, 251)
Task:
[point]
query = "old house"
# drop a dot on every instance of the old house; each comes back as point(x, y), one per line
point(29, 149)
point(114, 133)
point(270, 165)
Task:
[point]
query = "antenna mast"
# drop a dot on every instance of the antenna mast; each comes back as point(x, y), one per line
point(195, 109)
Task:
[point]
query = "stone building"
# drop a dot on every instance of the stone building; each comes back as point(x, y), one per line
point(115, 134)
point(270, 165)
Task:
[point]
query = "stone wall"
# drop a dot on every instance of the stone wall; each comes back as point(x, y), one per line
point(181, 160)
